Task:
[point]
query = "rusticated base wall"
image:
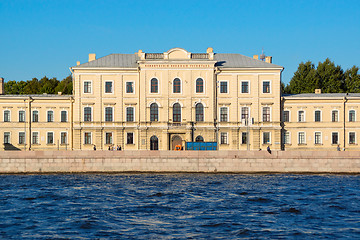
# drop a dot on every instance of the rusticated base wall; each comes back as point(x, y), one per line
point(182, 161)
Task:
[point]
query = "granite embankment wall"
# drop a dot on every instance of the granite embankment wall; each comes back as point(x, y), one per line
point(182, 161)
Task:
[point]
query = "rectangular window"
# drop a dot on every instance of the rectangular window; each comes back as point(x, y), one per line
point(244, 138)
point(50, 138)
point(108, 114)
point(21, 116)
point(286, 116)
point(108, 138)
point(245, 113)
point(352, 138)
point(223, 87)
point(130, 138)
point(108, 87)
point(6, 137)
point(87, 138)
point(266, 86)
point(35, 116)
point(334, 138)
point(223, 138)
point(352, 116)
point(223, 114)
point(129, 87)
point(266, 114)
point(301, 139)
point(35, 138)
point(129, 114)
point(87, 87)
point(87, 114)
point(63, 116)
point(63, 138)
point(301, 116)
point(335, 116)
point(286, 137)
point(245, 87)
point(266, 137)
point(317, 137)
point(50, 116)
point(317, 116)
point(6, 116)
point(21, 137)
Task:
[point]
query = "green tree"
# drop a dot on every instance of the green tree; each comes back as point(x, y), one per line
point(65, 86)
point(329, 78)
point(32, 87)
point(303, 80)
point(48, 85)
point(352, 80)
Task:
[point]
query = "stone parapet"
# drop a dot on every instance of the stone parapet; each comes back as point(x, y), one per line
point(182, 161)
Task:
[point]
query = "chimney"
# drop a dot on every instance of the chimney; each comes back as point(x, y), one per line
point(77, 63)
point(268, 59)
point(318, 91)
point(92, 57)
point(2, 92)
point(256, 57)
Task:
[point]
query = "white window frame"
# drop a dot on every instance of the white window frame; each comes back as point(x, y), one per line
point(66, 139)
point(354, 115)
point(249, 92)
point(262, 113)
point(22, 110)
point(9, 138)
point(338, 115)
point(112, 138)
point(298, 138)
point(24, 137)
point(227, 113)
point(319, 143)
point(67, 116)
point(47, 138)
point(38, 137)
point(91, 140)
point(298, 119)
point(92, 114)
point(5, 110)
point(112, 117)
point(227, 137)
point(337, 139)
point(181, 86)
point(133, 84)
point(249, 113)
point(227, 86)
point(283, 119)
point(158, 92)
point(262, 86)
point(91, 87)
point(112, 87)
point(203, 86)
point(32, 115)
point(349, 138)
point(315, 115)
point(289, 133)
point(47, 115)
point(134, 109)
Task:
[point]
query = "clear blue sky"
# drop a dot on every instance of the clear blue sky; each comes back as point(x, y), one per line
point(41, 38)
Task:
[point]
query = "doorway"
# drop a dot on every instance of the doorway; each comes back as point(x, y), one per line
point(154, 143)
point(176, 140)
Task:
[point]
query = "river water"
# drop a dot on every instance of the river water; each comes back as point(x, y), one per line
point(179, 206)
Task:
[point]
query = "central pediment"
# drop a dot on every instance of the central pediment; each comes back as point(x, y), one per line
point(177, 53)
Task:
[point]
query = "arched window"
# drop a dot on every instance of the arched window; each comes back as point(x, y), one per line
point(352, 116)
point(154, 112)
point(176, 112)
point(176, 85)
point(199, 139)
point(154, 143)
point(199, 112)
point(154, 85)
point(35, 116)
point(50, 116)
point(199, 85)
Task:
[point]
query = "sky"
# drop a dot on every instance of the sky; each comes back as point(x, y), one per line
point(44, 38)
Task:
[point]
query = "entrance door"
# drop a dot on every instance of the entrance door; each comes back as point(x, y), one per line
point(154, 143)
point(176, 140)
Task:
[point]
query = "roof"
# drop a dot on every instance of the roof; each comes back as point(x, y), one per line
point(321, 95)
point(35, 96)
point(224, 60)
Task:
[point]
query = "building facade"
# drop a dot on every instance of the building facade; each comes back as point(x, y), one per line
point(155, 101)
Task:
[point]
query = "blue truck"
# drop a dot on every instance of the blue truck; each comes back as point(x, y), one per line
point(201, 146)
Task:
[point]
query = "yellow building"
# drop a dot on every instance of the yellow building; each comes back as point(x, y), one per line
point(154, 101)
point(315, 121)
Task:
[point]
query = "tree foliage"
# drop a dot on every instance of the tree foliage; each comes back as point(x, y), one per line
point(34, 86)
point(327, 76)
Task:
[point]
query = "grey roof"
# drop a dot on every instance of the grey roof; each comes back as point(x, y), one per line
point(224, 60)
point(114, 60)
point(322, 95)
point(233, 60)
point(36, 95)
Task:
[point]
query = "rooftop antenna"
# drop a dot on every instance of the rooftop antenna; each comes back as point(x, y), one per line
point(262, 56)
